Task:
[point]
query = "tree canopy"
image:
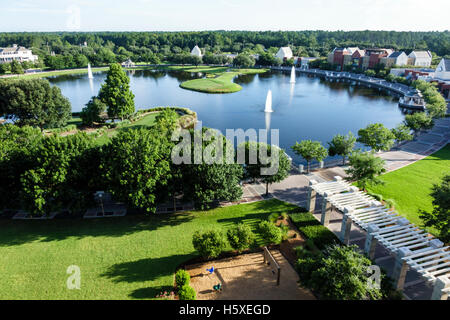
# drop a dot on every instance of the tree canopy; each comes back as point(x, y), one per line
point(33, 102)
point(310, 150)
point(377, 137)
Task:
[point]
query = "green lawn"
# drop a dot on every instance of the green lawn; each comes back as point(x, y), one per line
point(410, 186)
point(59, 73)
point(221, 83)
point(119, 258)
point(146, 121)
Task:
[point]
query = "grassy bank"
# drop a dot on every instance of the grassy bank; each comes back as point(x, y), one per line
point(221, 83)
point(410, 186)
point(132, 257)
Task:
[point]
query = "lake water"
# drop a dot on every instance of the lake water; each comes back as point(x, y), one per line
point(309, 109)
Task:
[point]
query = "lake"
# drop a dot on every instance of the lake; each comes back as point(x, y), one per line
point(311, 108)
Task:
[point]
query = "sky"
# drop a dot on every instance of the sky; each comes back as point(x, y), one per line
point(197, 15)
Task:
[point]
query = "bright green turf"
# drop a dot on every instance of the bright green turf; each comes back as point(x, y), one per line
point(222, 83)
point(410, 186)
point(120, 258)
point(146, 121)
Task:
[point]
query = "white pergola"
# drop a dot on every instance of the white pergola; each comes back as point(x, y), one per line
point(413, 247)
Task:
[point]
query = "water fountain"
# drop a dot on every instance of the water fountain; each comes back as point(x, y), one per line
point(293, 75)
point(269, 102)
point(90, 76)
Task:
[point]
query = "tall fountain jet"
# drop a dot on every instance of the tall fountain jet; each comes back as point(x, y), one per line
point(90, 76)
point(269, 102)
point(293, 75)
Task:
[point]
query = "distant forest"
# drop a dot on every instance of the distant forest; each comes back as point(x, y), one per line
point(107, 47)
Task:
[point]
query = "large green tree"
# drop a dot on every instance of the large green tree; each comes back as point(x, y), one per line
point(439, 218)
point(364, 168)
point(272, 164)
point(33, 102)
point(210, 177)
point(310, 150)
point(341, 145)
point(377, 137)
point(17, 149)
point(418, 121)
point(116, 93)
point(47, 186)
point(244, 61)
point(135, 165)
point(92, 112)
point(401, 133)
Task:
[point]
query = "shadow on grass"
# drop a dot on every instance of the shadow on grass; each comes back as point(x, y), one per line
point(145, 270)
point(14, 232)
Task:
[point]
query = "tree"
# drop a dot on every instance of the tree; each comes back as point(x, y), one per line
point(268, 157)
point(17, 148)
point(377, 137)
point(47, 186)
point(116, 93)
point(341, 273)
point(211, 178)
point(341, 145)
point(310, 150)
point(365, 168)
point(439, 218)
point(33, 102)
point(418, 121)
point(92, 112)
point(135, 166)
point(167, 120)
point(244, 61)
point(16, 67)
point(401, 133)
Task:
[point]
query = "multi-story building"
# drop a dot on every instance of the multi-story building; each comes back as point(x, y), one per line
point(373, 57)
point(356, 57)
point(396, 58)
point(21, 54)
point(420, 58)
point(442, 76)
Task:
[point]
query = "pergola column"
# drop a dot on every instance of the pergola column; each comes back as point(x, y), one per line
point(326, 211)
point(400, 268)
point(346, 227)
point(311, 202)
point(371, 241)
point(441, 288)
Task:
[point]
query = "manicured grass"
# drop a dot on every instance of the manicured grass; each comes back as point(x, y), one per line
point(120, 258)
point(146, 121)
point(223, 83)
point(410, 186)
point(58, 73)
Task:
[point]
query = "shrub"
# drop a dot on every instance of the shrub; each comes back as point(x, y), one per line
point(240, 237)
point(270, 233)
point(313, 229)
point(182, 278)
point(187, 293)
point(340, 273)
point(92, 112)
point(390, 203)
point(284, 232)
point(273, 217)
point(209, 244)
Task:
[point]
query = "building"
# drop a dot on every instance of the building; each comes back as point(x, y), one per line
point(373, 57)
point(285, 53)
point(21, 54)
point(128, 64)
point(396, 58)
point(303, 62)
point(420, 58)
point(413, 99)
point(442, 76)
point(196, 52)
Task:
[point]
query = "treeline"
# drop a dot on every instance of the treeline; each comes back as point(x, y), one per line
point(69, 50)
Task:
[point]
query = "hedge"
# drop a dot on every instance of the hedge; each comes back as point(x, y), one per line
point(313, 229)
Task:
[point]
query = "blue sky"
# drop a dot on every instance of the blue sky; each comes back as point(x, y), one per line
point(175, 15)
